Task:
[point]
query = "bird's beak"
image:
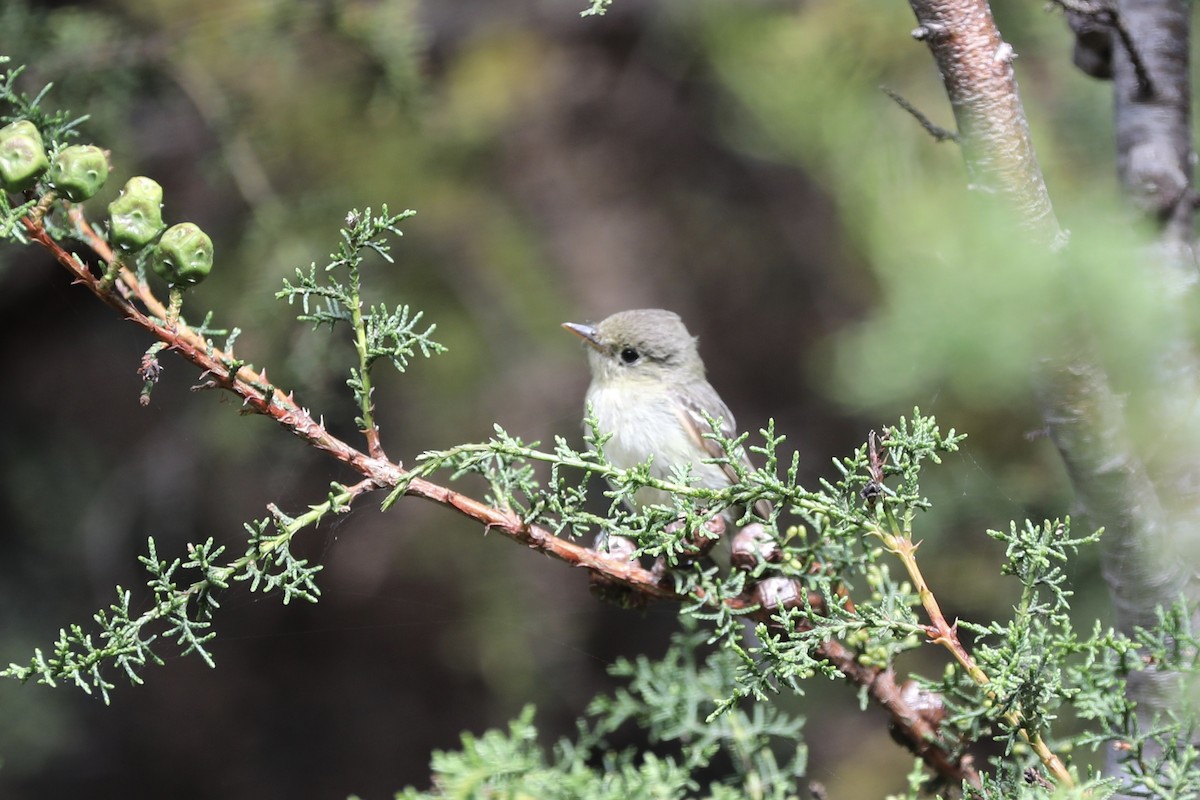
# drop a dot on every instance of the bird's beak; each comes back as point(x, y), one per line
point(585, 332)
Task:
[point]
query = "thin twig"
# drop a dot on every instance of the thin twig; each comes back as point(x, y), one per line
point(941, 632)
point(939, 133)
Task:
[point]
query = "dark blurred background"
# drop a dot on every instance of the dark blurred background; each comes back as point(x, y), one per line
point(734, 162)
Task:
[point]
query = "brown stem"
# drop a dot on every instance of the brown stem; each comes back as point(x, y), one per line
point(943, 633)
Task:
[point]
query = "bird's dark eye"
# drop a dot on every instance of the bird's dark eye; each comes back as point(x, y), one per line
point(629, 355)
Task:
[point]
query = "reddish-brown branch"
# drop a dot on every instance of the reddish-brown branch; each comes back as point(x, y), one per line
point(256, 392)
point(912, 728)
point(258, 396)
point(536, 537)
point(917, 731)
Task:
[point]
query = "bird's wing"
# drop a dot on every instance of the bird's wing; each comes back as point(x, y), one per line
point(690, 408)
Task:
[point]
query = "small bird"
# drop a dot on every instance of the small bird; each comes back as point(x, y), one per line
point(649, 391)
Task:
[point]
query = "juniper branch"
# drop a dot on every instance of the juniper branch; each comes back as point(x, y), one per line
point(221, 370)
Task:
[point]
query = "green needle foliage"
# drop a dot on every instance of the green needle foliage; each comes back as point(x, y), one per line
point(823, 604)
point(333, 294)
point(671, 700)
point(1037, 667)
point(183, 602)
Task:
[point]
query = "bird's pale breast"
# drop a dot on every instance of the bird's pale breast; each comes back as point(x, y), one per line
point(644, 424)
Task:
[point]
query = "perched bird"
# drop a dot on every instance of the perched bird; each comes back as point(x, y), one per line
point(649, 391)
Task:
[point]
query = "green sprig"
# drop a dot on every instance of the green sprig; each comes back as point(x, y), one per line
point(183, 597)
point(332, 294)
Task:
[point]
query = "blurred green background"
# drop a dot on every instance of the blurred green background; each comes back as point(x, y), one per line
point(734, 162)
